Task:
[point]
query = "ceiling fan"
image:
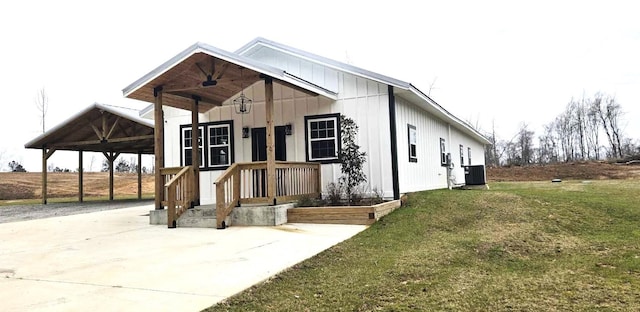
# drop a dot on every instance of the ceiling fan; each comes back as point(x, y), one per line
point(210, 81)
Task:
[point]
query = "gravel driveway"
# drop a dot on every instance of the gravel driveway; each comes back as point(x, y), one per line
point(38, 211)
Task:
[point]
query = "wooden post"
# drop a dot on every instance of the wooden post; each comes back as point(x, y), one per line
point(44, 176)
point(80, 178)
point(45, 155)
point(271, 151)
point(196, 150)
point(158, 146)
point(139, 175)
point(111, 159)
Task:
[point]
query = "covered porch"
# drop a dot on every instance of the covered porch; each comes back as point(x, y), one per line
point(201, 79)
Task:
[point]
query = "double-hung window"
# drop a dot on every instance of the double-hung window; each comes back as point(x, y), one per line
point(219, 145)
point(215, 144)
point(322, 137)
point(461, 155)
point(413, 143)
point(187, 146)
point(469, 155)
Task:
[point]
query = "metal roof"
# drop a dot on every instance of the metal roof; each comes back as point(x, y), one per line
point(99, 128)
point(401, 88)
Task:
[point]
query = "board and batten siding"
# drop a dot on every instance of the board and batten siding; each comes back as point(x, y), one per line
point(426, 173)
point(363, 100)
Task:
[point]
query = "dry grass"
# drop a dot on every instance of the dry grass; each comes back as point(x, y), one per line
point(15, 186)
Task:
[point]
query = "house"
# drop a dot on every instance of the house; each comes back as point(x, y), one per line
point(278, 107)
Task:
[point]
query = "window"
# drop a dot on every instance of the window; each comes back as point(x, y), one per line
point(216, 147)
point(469, 155)
point(461, 155)
point(413, 143)
point(443, 153)
point(219, 145)
point(323, 137)
point(187, 146)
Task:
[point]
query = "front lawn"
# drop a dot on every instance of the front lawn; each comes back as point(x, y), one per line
point(528, 246)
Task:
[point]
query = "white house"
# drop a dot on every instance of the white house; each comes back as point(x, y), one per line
point(406, 135)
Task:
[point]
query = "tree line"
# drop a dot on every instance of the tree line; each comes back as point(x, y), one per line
point(588, 129)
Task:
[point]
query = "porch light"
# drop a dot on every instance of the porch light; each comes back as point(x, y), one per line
point(288, 129)
point(242, 103)
point(245, 132)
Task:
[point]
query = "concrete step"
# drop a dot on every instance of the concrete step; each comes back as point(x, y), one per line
point(196, 222)
point(205, 216)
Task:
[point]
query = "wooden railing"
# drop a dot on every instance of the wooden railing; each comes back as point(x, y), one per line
point(179, 192)
point(246, 183)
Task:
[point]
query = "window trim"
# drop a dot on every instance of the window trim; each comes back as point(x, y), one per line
point(443, 152)
point(183, 148)
point(228, 145)
point(307, 137)
point(205, 162)
point(410, 128)
point(461, 155)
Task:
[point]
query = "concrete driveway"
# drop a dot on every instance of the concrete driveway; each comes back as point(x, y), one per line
point(115, 261)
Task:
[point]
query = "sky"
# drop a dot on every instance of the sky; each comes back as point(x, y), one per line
point(492, 63)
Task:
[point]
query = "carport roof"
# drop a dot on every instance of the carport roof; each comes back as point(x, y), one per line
point(100, 128)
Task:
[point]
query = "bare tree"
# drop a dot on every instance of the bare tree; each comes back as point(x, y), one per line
point(42, 104)
point(610, 113)
point(525, 145)
point(593, 130)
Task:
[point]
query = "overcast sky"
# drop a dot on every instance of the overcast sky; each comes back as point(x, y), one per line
point(508, 61)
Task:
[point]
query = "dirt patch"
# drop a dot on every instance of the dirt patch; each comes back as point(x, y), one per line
point(565, 171)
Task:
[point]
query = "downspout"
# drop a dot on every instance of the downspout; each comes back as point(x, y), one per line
point(394, 144)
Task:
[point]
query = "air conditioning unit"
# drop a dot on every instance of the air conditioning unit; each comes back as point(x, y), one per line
point(474, 175)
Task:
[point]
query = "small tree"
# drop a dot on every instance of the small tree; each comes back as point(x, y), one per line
point(122, 166)
point(105, 166)
point(351, 158)
point(16, 167)
point(42, 104)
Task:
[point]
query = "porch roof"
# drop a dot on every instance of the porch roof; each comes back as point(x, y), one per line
point(212, 75)
point(99, 128)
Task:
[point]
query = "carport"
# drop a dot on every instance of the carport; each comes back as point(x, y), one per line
point(98, 128)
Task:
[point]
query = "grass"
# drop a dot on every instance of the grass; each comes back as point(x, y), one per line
point(538, 246)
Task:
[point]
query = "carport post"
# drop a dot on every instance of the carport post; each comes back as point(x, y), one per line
point(111, 157)
point(45, 155)
point(139, 175)
point(44, 176)
point(80, 173)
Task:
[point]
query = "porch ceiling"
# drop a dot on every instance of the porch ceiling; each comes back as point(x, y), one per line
point(184, 81)
point(182, 78)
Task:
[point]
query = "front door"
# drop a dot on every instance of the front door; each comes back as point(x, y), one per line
point(259, 153)
point(259, 144)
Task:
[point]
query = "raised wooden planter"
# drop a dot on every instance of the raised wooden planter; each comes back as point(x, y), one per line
point(341, 215)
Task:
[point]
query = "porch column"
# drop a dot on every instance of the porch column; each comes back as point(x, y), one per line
point(271, 151)
point(158, 146)
point(196, 149)
point(80, 178)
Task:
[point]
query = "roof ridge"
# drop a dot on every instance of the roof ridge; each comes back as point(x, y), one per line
point(324, 60)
